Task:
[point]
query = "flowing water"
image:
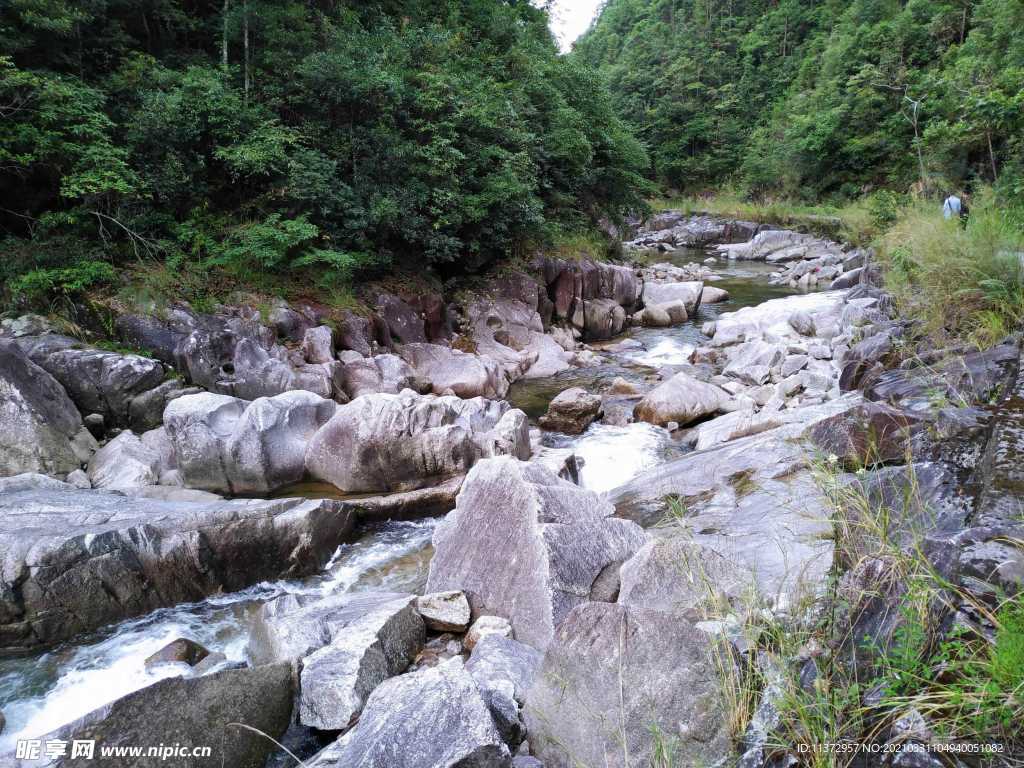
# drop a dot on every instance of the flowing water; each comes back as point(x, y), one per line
point(42, 692)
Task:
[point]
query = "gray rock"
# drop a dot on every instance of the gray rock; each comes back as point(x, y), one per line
point(43, 431)
point(79, 479)
point(444, 611)
point(406, 441)
point(526, 761)
point(229, 445)
point(432, 718)
point(662, 293)
point(318, 344)
point(571, 411)
point(792, 364)
point(123, 463)
point(496, 659)
point(259, 372)
point(288, 323)
point(559, 536)
point(613, 677)
point(180, 651)
point(404, 323)
point(465, 374)
point(204, 709)
point(94, 558)
point(337, 679)
point(146, 411)
point(682, 399)
point(387, 374)
point(96, 425)
point(712, 295)
point(752, 361)
point(603, 318)
point(485, 626)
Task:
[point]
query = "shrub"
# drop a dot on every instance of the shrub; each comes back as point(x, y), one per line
point(40, 286)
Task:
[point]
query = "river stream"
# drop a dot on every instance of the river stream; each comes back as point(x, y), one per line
point(42, 692)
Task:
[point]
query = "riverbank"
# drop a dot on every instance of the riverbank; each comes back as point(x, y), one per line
point(721, 445)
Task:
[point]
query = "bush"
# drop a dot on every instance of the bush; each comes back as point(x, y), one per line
point(40, 286)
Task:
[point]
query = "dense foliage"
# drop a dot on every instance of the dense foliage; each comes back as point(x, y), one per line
point(296, 134)
point(811, 99)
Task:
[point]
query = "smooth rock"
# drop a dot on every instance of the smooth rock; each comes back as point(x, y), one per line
point(124, 462)
point(486, 626)
point(571, 411)
point(682, 399)
point(318, 345)
point(444, 611)
point(496, 659)
point(180, 651)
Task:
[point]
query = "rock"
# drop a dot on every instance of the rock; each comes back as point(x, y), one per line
point(603, 318)
point(3, 723)
point(654, 316)
point(486, 626)
point(318, 344)
point(123, 463)
point(95, 558)
point(97, 381)
point(180, 651)
point(498, 659)
point(571, 411)
point(337, 679)
point(387, 374)
point(526, 761)
point(562, 537)
point(620, 386)
point(259, 372)
point(43, 430)
point(847, 279)
point(734, 425)
point(793, 364)
point(96, 425)
point(361, 334)
point(466, 375)
point(402, 442)
point(682, 399)
point(444, 611)
point(79, 479)
point(612, 676)
point(26, 325)
point(204, 711)
point(146, 411)
point(229, 445)
point(752, 361)
point(819, 351)
point(405, 325)
point(995, 562)
point(287, 323)
point(712, 295)
point(674, 574)
point(662, 293)
point(505, 713)
point(872, 433)
point(426, 719)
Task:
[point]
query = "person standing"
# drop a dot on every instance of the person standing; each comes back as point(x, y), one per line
point(952, 207)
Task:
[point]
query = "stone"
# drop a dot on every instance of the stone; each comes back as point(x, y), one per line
point(43, 430)
point(146, 411)
point(96, 425)
point(687, 292)
point(388, 374)
point(620, 386)
point(336, 680)
point(611, 676)
point(180, 651)
point(712, 295)
point(603, 318)
point(199, 427)
point(444, 611)
point(204, 709)
point(682, 399)
point(793, 364)
point(654, 316)
point(847, 280)
point(318, 344)
point(425, 719)
point(288, 323)
point(571, 411)
point(95, 558)
point(752, 361)
point(124, 462)
point(405, 324)
point(562, 537)
point(872, 433)
point(360, 334)
point(260, 372)
point(497, 659)
point(466, 375)
point(485, 626)
point(407, 441)
point(79, 479)
point(526, 761)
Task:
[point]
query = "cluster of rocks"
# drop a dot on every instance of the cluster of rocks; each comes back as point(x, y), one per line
point(672, 230)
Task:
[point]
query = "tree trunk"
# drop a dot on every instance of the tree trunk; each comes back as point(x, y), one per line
point(224, 36)
point(991, 156)
point(245, 37)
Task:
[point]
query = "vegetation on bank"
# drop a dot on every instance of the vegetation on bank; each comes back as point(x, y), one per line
point(815, 100)
point(320, 141)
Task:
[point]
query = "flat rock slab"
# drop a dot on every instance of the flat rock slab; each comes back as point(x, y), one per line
point(72, 560)
point(613, 678)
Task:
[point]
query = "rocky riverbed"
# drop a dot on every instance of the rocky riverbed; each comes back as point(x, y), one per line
point(513, 529)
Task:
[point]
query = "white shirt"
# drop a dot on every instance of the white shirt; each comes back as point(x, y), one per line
point(951, 207)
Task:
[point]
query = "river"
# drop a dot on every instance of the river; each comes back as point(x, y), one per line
point(41, 692)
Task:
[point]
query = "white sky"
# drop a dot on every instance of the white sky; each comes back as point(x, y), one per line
point(571, 18)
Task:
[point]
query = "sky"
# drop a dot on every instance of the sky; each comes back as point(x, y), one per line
point(570, 19)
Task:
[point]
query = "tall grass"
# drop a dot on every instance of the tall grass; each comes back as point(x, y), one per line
point(963, 284)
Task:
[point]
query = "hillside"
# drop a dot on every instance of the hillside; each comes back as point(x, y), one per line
point(813, 99)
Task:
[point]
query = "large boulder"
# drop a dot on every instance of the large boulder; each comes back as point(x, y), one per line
point(96, 380)
point(432, 718)
point(617, 680)
point(873, 433)
point(404, 323)
point(192, 712)
point(682, 399)
point(229, 445)
point(467, 375)
point(94, 558)
point(43, 431)
point(560, 538)
point(259, 372)
point(497, 660)
point(603, 318)
point(406, 441)
point(348, 645)
point(571, 411)
point(388, 374)
point(753, 361)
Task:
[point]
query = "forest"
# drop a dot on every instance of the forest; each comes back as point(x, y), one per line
point(816, 100)
point(316, 138)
